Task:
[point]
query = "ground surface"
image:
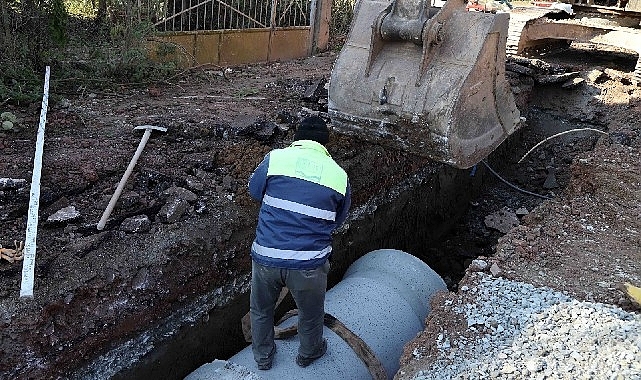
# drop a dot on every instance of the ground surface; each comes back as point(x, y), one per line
point(586, 240)
point(95, 287)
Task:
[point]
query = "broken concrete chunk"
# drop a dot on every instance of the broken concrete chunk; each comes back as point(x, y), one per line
point(173, 210)
point(522, 211)
point(478, 265)
point(502, 220)
point(194, 183)
point(12, 183)
point(266, 130)
point(495, 270)
point(136, 224)
point(65, 215)
point(574, 82)
point(181, 193)
point(517, 68)
point(315, 91)
point(260, 130)
point(555, 78)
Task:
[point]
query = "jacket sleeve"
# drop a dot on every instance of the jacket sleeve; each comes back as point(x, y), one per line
point(258, 180)
point(341, 213)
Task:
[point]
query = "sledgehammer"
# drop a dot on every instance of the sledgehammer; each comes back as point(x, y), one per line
point(130, 168)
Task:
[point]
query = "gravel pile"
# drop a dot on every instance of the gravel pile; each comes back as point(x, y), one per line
point(523, 332)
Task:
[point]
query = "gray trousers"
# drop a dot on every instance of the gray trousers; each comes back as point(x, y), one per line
point(308, 289)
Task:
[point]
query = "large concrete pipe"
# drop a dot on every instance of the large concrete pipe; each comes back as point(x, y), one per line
point(383, 298)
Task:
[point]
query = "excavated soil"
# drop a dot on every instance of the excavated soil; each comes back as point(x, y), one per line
point(184, 223)
point(585, 240)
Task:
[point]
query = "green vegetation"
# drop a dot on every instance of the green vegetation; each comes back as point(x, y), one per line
point(8, 120)
point(342, 14)
point(84, 47)
point(96, 44)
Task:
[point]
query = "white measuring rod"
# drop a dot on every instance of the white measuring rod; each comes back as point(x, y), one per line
point(29, 263)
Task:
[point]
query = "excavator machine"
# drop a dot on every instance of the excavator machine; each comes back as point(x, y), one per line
point(607, 25)
point(427, 80)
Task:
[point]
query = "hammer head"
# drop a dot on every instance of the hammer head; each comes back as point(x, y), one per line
point(152, 127)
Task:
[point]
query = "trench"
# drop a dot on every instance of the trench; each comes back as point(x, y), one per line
point(197, 335)
point(436, 216)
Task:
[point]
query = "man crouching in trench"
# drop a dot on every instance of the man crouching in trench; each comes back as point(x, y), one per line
point(304, 195)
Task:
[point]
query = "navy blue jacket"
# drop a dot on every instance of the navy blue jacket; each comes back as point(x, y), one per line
point(305, 195)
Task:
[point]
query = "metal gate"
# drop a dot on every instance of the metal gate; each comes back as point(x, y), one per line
point(244, 31)
point(190, 15)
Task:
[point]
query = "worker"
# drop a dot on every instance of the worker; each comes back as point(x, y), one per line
point(305, 196)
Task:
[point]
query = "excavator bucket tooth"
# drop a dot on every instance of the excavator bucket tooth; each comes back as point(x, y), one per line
point(437, 90)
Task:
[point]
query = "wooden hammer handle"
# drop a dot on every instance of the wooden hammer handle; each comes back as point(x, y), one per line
point(123, 181)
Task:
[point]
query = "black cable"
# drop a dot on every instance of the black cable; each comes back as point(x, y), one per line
point(511, 185)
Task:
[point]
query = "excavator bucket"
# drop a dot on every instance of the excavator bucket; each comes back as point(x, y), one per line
point(426, 80)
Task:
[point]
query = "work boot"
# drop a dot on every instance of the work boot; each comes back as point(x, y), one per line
point(267, 364)
point(304, 362)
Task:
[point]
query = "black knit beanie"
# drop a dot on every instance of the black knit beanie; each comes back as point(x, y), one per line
point(312, 128)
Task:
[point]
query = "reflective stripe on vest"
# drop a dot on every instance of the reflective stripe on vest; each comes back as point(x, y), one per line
point(289, 254)
point(299, 208)
point(317, 168)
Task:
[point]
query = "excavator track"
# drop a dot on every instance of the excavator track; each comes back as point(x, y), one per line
point(536, 24)
point(519, 17)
